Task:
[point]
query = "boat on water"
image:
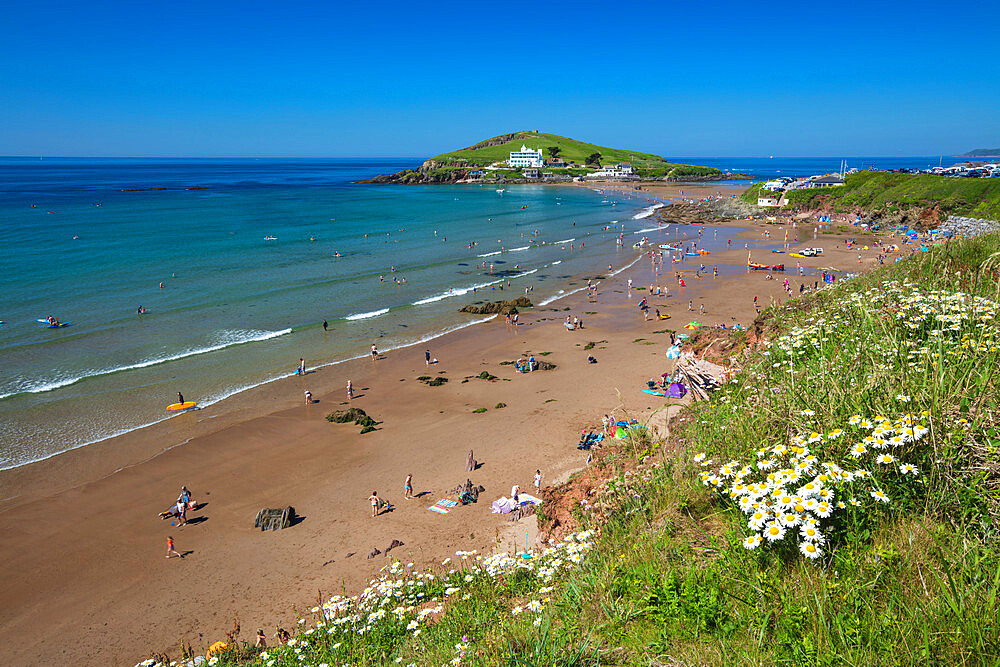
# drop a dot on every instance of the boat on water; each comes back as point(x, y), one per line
point(270, 238)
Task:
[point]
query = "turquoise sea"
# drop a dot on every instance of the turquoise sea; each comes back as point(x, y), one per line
point(86, 242)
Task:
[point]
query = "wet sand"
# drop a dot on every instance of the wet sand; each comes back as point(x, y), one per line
point(84, 550)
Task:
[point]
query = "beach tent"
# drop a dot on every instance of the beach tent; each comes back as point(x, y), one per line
point(673, 352)
point(676, 390)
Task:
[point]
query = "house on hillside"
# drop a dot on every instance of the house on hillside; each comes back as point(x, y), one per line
point(768, 199)
point(824, 182)
point(531, 172)
point(555, 162)
point(526, 157)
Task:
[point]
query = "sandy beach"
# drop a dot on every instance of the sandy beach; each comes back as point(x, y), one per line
point(84, 549)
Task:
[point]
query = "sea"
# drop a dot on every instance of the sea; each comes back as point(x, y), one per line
point(237, 263)
point(213, 276)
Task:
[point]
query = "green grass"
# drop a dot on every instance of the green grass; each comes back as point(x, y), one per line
point(499, 148)
point(664, 578)
point(875, 190)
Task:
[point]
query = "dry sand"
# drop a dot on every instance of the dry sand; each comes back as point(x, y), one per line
point(83, 550)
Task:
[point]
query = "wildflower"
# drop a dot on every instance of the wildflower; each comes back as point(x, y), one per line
point(810, 550)
point(823, 510)
point(700, 457)
point(807, 413)
point(855, 502)
point(834, 434)
point(811, 534)
point(878, 495)
point(902, 398)
point(752, 542)
point(774, 532)
point(908, 469)
point(885, 459)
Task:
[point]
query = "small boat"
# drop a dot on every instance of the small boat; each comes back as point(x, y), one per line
point(759, 267)
point(691, 254)
point(270, 238)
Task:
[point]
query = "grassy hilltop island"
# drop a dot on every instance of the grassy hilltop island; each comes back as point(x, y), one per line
point(552, 158)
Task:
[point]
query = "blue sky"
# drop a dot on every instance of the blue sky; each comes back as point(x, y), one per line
point(414, 79)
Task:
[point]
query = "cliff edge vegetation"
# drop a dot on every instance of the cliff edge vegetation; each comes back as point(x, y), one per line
point(925, 198)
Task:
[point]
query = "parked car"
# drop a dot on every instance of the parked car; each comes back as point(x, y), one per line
point(811, 252)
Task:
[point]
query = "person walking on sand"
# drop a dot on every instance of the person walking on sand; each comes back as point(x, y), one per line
point(171, 550)
point(515, 494)
point(374, 352)
point(427, 353)
point(408, 486)
point(538, 479)
point(325, 325)
point(373, 499)
point(350, 390)
point(309, 397)
point(302, 366)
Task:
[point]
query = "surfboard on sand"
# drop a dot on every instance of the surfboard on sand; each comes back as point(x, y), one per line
point(654, 393)
point(186, 405)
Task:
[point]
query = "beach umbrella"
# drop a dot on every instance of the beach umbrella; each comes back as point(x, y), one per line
point(692, 325)
point(682, 336)
point(673, 352)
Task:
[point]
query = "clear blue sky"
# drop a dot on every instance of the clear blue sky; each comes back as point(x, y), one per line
point(413, 79)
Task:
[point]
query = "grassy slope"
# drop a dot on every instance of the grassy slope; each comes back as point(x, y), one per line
point(571, 151)
point(976, 197)
point(667, 581)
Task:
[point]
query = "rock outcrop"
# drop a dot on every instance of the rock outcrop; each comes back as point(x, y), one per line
point(491, 307)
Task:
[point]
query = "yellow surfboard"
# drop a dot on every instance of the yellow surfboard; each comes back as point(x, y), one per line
point(186, 405)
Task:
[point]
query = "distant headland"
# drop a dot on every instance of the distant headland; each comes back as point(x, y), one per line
point(982, 152)
point(532, 156)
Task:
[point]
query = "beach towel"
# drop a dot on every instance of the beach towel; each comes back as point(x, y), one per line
point(526, 499)
point(443, 506)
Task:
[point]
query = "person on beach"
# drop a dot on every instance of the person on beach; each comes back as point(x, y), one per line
point(309, 397)
point(373, 499)
point(374, 352)
point(408, 486)
point(170, 548)
point(538, 480)
point(261, 640)
point(515, 494)
point(325, 325)
point(302, 366)
point(350, 390)
point(180, 397)
point(427, 357)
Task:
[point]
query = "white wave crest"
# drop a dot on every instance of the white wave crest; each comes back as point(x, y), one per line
point(648, 211)
point(365, 316)
point(227, 339)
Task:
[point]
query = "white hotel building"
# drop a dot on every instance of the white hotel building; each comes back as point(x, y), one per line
point(526, 158)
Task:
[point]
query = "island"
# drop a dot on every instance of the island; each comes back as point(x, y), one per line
point(531, 156)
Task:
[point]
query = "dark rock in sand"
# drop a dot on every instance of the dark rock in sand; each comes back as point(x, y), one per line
point(489, 308)
point(375, 552)
point(470, 462)
point(393, 545)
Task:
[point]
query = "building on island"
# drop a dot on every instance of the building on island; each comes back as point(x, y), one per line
point(526, 157)
point(617, 172)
